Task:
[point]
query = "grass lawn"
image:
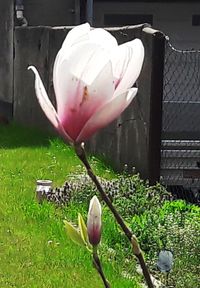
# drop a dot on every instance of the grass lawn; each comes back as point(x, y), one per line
point(34, 248)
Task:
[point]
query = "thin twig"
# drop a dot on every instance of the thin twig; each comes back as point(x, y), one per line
point(80, 151)
point(98, 267)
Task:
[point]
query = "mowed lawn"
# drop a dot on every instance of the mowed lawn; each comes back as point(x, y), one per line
point(34, 248)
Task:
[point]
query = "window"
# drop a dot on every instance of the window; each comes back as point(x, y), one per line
point(127, 19)
point(195, 20)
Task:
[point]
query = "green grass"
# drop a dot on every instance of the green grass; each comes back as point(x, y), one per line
point(34, 248)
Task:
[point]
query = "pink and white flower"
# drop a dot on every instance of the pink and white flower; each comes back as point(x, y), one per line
point(93, 78)
point(94, 221)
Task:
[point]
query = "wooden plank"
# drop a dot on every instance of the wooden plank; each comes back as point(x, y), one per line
point(191, 173)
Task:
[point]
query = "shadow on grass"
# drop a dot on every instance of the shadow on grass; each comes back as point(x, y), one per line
point(16, 136)
point(13, 136)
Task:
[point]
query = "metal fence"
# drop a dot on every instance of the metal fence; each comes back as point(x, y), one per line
point(180, 153)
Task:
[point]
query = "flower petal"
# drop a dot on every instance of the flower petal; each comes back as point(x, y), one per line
point(85, 100)
point(46, 104)
point(94, 221)
point(106, 114)
point(127, 60)
point(103, 38)
point(83, 86)
point(75, 36)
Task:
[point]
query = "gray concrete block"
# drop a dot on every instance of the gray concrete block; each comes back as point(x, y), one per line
point(31, 48)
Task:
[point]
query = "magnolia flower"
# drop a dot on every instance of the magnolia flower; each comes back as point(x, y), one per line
point(93, 78)
point(94, 221)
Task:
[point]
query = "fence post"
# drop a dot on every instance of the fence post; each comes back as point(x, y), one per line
point(156, 100)
point(6, 58)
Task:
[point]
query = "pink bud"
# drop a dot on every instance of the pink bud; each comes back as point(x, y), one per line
point(94, 221)
point(93, 78)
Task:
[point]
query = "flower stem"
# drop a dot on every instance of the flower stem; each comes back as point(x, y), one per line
point(98, 267)
point(80, 152)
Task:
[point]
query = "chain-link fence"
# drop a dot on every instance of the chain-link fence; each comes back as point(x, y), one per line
point(180, 155)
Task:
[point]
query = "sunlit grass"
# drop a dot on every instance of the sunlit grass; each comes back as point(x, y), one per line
point(34, 248)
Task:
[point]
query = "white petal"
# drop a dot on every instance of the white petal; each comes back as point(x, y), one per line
point(75, 36)
point(78, 36)
point(120, 59)
point(103, 38)
point(95, 206)
point(81, 70)
point(83, 101)
point(127, 63)
point(46, 104)
point(106, 114)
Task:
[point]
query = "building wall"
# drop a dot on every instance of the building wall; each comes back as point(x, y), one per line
point(51, 12)
point(174, 19)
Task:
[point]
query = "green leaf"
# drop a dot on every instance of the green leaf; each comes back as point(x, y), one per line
point(74, 234)
point(82, 228)
point(83, 231)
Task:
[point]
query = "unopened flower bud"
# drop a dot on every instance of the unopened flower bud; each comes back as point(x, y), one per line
point(94, 221)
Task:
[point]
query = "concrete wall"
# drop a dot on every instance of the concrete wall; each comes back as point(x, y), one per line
point(6, 58)
point(34, 46)
point(132, 139)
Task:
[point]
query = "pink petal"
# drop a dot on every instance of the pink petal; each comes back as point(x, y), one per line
point(92, 98)
point(83, 86)
point(46, 104)
point(94, 234)
point(106, 114)
point(94, 221)
point(127, 60)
